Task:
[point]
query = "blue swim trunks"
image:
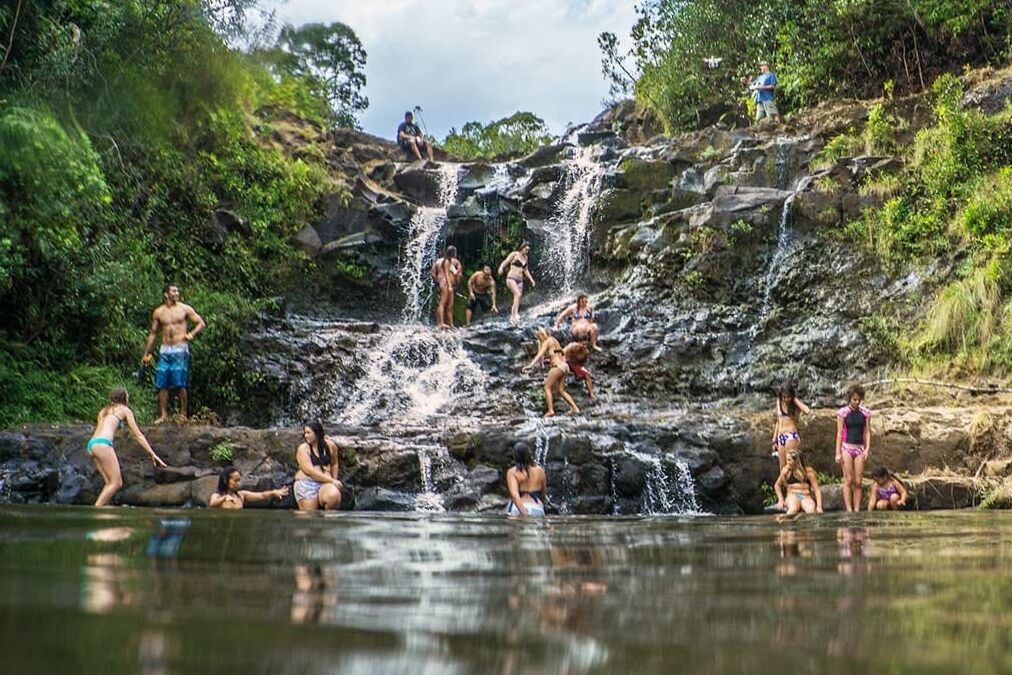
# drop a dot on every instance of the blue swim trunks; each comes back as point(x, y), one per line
point(173, 370)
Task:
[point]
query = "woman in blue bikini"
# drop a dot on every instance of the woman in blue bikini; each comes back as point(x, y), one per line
point(785, 432)
point(100, 447)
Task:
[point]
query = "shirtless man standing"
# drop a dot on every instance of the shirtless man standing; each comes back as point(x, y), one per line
point(447, 273)
point(172, 318)
point(576, 354)
point(480, 293)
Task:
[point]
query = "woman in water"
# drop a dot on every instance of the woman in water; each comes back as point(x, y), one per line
point(785, 431)
point(887, 492)
point(100, 447)
point(583, 325)
point(526, 483)
point(517, 263)
point(801, 485)
point(549, 348)
point(853, 441)
point(316, 483)
point(229, 496)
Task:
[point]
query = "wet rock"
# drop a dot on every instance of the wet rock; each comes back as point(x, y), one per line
point(419, 183)
point(381, 499)
point(308, 240)
point(171, 494)
point(171, 474)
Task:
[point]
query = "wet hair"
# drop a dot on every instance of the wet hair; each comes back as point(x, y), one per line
point(524, 245)
point(786, 388)
point(166, 287)
point(322, 449)
point(117, 396)
point(581, 296)
point(855, 388)
point(223, 477)
point(451, 251)
point(523, 460)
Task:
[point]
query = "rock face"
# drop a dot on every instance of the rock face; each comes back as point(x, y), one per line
point(679, 462)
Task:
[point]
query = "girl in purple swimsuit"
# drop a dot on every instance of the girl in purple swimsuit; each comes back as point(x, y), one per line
point(887, 492)
point(853, 441)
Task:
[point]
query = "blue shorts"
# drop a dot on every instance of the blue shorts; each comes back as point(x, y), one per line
point(173, 370)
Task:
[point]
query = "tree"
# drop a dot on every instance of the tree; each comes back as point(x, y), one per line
point(331, 59)
point(518, 134)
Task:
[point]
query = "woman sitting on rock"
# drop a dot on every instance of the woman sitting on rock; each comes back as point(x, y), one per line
point(517, 264)
point(583, 326)
point(100, 447)
point(550, 349)
point(316, 483)
point(888, 493)
point(801, 485)
point(229, 496)
point(785, 432)
point(526, 483)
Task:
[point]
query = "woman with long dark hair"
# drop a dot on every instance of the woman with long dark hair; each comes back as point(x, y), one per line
point(229, 496)
point(316, 483)
point(100, 448)
point(526, 483)
point(785, 431)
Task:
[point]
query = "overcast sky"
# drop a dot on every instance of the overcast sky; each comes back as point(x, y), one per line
point(463, 60)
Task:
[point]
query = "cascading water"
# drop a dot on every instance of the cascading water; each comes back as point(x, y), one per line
point(420, 250)
point(568, 230)
point(667, 494)
point(429, 499)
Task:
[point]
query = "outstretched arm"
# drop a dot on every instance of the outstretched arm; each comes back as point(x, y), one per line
point(267, 495)
point(802, 407)
point(902, 490)
point(564, 314)
point(495, 308)
point(537, 357)
point(143, 442)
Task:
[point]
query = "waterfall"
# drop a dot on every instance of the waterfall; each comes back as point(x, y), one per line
point(412, 374)
point(420, 250)
point(663, 493)
point(428, 499)
point(567, 233)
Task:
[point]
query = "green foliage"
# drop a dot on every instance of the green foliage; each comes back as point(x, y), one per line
point(741, 228)
point(769, 495)
point(828, 478)
point(316, 62)
point(880, 131)
point(519, 134)
point(820, 48)
point(222, 452)
point(123, 128)
point(838, 147)
point(351, 269)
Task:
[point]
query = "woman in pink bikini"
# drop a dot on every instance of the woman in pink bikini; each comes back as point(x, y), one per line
point(853, 442)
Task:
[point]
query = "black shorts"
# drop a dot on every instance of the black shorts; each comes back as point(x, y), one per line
point(483, 299)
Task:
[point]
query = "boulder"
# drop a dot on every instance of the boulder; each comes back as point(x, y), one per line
point(381, 499)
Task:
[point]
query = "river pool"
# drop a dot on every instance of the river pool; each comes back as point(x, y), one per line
point(155, 592)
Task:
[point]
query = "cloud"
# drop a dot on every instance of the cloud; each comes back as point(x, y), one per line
point(463, 60)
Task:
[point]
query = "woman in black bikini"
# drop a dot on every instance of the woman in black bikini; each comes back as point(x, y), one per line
point(526, 482)
point(229, 496)
point(549, 348)
point(517, 263)
point(801, 485)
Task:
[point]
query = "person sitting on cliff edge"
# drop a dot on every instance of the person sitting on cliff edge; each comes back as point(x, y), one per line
point(411, 139)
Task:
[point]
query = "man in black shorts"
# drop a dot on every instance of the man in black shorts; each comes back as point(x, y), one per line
point(411, 140)
point(480, 292)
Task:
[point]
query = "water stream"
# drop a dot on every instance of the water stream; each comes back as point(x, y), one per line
point(566, 257)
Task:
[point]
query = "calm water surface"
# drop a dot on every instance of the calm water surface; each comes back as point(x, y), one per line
point(157, 592)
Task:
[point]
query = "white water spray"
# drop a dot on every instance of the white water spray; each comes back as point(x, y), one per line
point(665, 493)
point(568, 231)
point(420, 250)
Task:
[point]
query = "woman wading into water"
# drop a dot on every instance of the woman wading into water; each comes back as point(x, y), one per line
point(558, 371)
point(785, 432)
point(229, 496)
point(100, 447)
point(526, 483)
point(517, 264)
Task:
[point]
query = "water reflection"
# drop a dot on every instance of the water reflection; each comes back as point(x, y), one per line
point(315, 594)
point(854, 551)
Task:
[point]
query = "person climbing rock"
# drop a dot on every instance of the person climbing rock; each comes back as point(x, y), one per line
point(526, 482)
point(100, 448)
point(558, 370)
point(447, 273)
point(480, 293)
point(763, 87)
point(411, 139)
point(172, 318)
point(582, 325)
point(517, 263)
point(576, 354)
